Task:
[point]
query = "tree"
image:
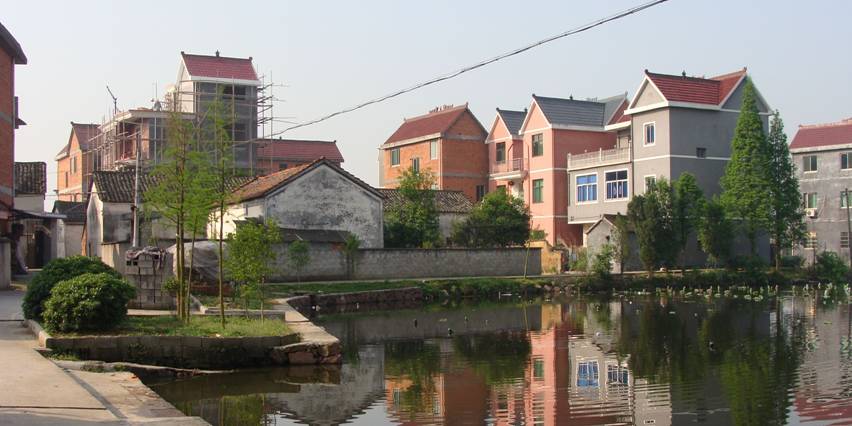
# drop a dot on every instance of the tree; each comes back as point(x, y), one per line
point(651, 216)
point(350, 251)
point(787, 226)
point(298, 256)
point(535, 235)
point(688, 209)
point(747, 181)
point(620, 234)
point(602, 264)
point(715, 232)
point(414, 222)
point(250, 257)
point(499, 220)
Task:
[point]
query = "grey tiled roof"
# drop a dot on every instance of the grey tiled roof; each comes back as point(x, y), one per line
point(117, 187)
point(74, 211)
point(575, 112)
point(446, 201)
point(30, 178)
point(513, 119)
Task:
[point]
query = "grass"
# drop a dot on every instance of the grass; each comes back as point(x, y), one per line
point(340, 287)
point(235, 303)
point(204, 326)
point(462, 286)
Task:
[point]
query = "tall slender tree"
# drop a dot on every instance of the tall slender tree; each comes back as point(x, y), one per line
point(747, 180)
point(787, 225)
point(715, 232)
point(688, 209)
point(651, 216)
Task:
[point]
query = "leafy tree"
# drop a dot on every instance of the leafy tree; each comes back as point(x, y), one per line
point(787, 226)
point(413, 223)
point(620, 235)
point(350, 251)
point(688, 209)
point(602, 265)
point(499, 220)
point(298, 256)
point(747, 179)
point(716, 233)
point(651, 216)
point(250, 257)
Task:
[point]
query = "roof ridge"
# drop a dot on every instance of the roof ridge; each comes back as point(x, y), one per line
point(250, 58)
point(598, 101)
point(730, 74)
point(439, 112)
point(685, 77)
point(842, 122)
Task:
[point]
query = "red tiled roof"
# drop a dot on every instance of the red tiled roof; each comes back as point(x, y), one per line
point(828, 134)
point(710, 91)
point(85, 133)
point(298, 150)
point(431, 123)
point(219, 67)
point(618, 116)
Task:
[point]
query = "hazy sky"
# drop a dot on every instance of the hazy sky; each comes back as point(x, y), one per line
point(329, 55)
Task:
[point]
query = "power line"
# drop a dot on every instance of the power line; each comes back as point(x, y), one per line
point(459, 72)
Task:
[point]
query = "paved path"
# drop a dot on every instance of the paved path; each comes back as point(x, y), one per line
point(35, 391)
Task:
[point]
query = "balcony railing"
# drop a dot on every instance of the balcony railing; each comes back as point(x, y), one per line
point(515, 165)
point(600, 157)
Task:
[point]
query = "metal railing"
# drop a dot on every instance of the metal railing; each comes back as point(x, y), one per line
point(514, 165)
point(599, 158)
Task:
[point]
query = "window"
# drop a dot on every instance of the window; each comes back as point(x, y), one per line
point(587, 188)
point(616, 375)
point(537, 145)
point(810, 200)
point(844, 201)
point(395, 157)
point(844, 161)
point(73, 164)
point(650, 181)
point(811, 241)
point(239, 92)
point(415, 164)
point(809, 163)
point(538, 191)
point(433, 150)
point(587, 374)
point(66, 179)
point(480, 192)
point(538, 369)
point(650, 134)
point(501, 152)
point(844, 239)
point(616, 185)
point(701, 152)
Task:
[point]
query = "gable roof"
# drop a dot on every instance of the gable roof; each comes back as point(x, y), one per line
point(576, 112)
point(117, 186)
point(262, 185)
point(697, 90)
point(446, 201)
point(828, 134)
point(512, 119)
point(85, 133)
point(299, 150)
point(30, 178)
point(434, 122)
point(11, 46)
point(74, 211)
point(219, 67)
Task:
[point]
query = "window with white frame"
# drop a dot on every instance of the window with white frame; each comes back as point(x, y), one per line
point(650, 181)
point(809, 163)
point(811, 241)
point(650, 133)
point(845, 164)
point(537, 145)
point(616, 184)
point(433, 150)
point(587, 374)
point(617, 375)
point(587, 188)
point(415, 164)
point(810, 199)
point(395, 157)
point(538, 191)
point(500, 153)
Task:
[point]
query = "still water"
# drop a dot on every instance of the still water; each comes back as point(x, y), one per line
point(641, 359)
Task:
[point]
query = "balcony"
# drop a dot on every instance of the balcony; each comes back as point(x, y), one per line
point(601, 157)
point(512, 169)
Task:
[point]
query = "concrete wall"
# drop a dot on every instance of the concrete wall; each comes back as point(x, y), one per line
point(73, 239)
point(327, 262)
point(445, 223)
point(30, 203)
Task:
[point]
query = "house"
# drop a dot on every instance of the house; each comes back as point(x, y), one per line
point(30, 186)
point(527, 155)
point(68, 237)
point(674, 124)
point(317, 196)
point(278, 154)
point(35, 227)
point(452, 206)
point(449, 141)
point(76, 162)
point(822, 154)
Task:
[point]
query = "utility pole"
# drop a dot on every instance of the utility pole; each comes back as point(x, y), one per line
point(135, 242)
point(848, 223)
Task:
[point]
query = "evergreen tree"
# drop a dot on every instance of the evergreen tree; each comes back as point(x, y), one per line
point(715, 232)
point(652, 218)
point(499, 220)
point(413, 223)
point(747, 180)
point(787, 226)
point(688, 209)
point(621, 241)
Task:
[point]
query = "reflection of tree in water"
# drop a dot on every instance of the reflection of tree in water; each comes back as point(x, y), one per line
point(229, 410)
point(418, 361)
point(497, 357)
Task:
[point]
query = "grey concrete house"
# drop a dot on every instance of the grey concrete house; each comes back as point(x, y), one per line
point(68, 239)
point(822, 154)
point(452, 207)
point(673, 124)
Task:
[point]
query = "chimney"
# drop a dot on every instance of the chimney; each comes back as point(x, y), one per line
point(217, 53)
point(683, 73)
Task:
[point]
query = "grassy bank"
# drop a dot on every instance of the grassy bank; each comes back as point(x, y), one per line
point(204, 326)
point(431, 288)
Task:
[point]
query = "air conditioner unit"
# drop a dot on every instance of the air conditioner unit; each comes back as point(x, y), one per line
point(811, 212)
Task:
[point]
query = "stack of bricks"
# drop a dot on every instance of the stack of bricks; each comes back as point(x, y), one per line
point(147, 272)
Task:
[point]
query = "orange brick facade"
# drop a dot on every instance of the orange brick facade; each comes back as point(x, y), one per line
point(74, 171)
point(7, 135)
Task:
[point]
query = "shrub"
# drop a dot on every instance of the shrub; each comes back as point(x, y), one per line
point(602, 264)
point(88, 302)
point(580, 262)
point(38, 290)
point(795, 262)
point(830, 267)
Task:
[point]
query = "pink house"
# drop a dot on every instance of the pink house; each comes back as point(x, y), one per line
point(529, 157)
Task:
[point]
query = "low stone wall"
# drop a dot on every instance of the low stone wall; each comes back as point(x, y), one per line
point(400, 298)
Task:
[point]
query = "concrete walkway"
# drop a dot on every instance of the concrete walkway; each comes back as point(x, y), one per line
point(35, 391)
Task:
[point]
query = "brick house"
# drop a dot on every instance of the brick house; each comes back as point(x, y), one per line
point(76, 162)
point(279, 154)
point(11, 54)
point(449, 141)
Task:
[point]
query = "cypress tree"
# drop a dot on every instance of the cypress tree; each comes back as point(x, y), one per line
point(787, 225)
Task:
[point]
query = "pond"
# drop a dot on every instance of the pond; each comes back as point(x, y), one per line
point(623, 359)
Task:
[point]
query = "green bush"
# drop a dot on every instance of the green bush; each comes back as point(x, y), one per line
point(88, 302)
point(795, 262)
point(38, 290)
point(602, 264)
point(580, 262)
point(830, 267)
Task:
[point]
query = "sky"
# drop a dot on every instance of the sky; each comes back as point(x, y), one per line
point(331, 55)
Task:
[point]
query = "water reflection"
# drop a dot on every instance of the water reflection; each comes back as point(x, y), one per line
point(618, 360)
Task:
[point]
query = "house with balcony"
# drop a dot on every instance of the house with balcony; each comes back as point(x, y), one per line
point(822, 154)
point(449, 141)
